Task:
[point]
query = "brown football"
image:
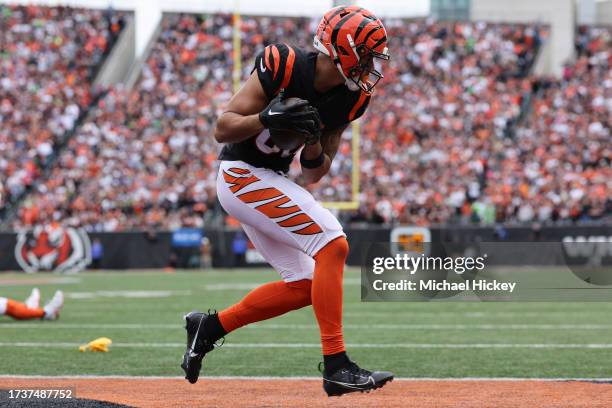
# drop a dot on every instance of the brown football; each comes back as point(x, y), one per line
point(287, 139)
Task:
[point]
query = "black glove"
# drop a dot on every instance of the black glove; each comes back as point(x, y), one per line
point(312, 138)
point(293, 114)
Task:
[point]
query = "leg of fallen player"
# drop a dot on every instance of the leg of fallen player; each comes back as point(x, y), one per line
point(30, 310)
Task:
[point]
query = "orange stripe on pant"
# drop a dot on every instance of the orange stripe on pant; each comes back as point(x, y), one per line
point(259, 195)
point(273, 209)
point(295, 220)
point(267, 301)
point(311, 229)
point(239, 170)
point(238, 183)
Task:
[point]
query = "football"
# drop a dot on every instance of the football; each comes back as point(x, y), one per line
point(287, 139)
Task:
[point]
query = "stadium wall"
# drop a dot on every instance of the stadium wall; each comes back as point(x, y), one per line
point(594, 12)
point(146, 249)
point(604, 13)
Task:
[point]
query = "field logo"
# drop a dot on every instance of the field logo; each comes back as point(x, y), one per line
point(410, 240)
point(54, 249)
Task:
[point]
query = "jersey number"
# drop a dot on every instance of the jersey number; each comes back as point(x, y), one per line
point(266, 145)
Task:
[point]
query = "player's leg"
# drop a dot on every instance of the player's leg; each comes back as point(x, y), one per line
point(340, 374)
point(327, 301)
point(269, 217)
point(33, 301)
point(21, 311)
point(274, 298)
point(286, 224)
point(277, 207)
point(281, 210)
point(262, 303)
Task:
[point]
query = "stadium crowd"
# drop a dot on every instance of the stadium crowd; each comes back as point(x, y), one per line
point(146, 157)
point(451, 93)
point(441, 142)
point(559, 167)
point(48, 59)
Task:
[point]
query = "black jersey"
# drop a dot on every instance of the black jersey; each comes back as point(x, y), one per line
point(279, 67)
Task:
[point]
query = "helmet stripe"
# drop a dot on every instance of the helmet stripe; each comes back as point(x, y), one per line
point(362, 25)
point(381, 41)
point(372, 31)
point(339, 10)
point(339, 25)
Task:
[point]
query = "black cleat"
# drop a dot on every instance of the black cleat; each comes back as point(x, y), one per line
point(197, 345)
point(352, 379)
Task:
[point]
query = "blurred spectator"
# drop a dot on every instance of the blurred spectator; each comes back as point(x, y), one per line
point(444, 139)
point(451, 94)
point(146, 158)
point(97, 253)
point(559, 166)
point(239, 248)
point(205, 254)
point(48, 58)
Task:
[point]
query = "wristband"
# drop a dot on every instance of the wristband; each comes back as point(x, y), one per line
point(312, 163)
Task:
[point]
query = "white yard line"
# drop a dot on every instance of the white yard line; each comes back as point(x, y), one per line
point(317, 345)
point(295, 378)
point(157, 326)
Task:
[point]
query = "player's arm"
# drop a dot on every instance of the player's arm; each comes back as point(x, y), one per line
point(241, 118)
point(328, 147)
point(259, 103)
point(249, 112)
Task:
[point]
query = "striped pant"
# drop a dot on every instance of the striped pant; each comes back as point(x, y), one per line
point(283, 221)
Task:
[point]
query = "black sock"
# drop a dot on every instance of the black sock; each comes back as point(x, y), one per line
point(213, 329)
point(334, 362)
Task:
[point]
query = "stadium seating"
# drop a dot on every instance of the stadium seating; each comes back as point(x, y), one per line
point(459, 131)
point(49, 58)
point(560, 165)
point(146, 157)
point(451, 93)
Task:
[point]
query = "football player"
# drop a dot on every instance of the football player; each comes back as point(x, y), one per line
point(30, 309)
point(300, 239)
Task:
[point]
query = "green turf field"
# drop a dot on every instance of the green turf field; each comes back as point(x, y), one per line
point(142, 313)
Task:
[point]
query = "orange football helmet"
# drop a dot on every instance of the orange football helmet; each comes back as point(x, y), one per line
point(354, 39)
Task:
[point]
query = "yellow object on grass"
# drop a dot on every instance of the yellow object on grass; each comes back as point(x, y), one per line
point(99, 344)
